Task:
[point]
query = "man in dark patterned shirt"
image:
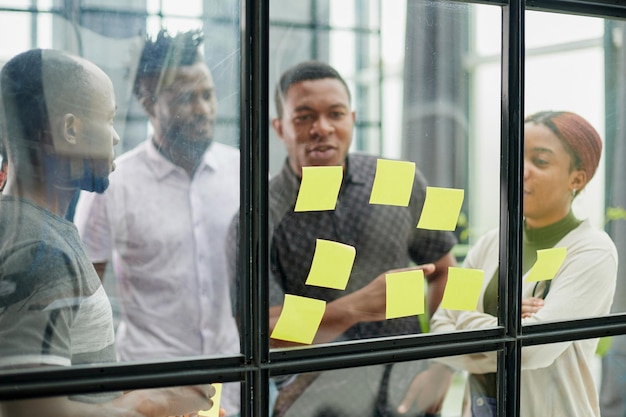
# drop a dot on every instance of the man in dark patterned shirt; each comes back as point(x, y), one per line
point(315, 122)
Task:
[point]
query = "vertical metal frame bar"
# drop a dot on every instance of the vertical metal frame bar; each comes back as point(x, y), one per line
point(511, 174)
point(253, 260)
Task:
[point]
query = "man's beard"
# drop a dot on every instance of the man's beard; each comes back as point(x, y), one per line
point(90, 181)
point(77, 175)
point(181, 147)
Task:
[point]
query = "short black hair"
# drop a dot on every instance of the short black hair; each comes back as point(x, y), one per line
point(304, 71)
point(34, 83)
point(165, 52)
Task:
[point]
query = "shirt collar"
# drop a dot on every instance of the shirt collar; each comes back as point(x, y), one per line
point(354, 176)
point(164, 167)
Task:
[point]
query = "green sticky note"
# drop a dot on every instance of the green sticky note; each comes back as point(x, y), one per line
point(319, 188)
point(215, 410)
point(393, 183)
point(547, 265)
point(405, 294)
point(462, 289)
point(332, 264)
point(299, 319)
point(441, 208)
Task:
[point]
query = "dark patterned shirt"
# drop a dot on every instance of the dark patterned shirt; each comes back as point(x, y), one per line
point(385, 237)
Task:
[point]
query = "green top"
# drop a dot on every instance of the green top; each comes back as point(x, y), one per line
point(533, 240)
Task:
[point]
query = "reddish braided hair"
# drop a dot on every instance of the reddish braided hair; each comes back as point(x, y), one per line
point(578, 136)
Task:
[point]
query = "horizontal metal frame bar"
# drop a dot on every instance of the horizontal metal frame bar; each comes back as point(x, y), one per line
point(38, 382)
point(573, 330)
point(598, 8)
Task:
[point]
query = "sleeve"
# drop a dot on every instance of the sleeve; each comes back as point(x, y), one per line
point(426, 245)
point(37, 307)
point(232, 260)
point(276, 294)
point(583, 287)
point(92, 221)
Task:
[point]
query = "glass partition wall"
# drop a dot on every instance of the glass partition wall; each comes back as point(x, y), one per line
point(442, 87)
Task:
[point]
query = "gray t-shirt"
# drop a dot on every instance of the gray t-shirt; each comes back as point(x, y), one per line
point(53, 308)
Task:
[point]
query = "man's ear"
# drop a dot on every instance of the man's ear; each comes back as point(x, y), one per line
point(278, 127)
point(64, 135)
point(147, 102)
point(71, 126)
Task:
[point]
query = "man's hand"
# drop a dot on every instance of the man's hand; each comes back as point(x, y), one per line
point(530, 306)
point(365, 305)
point(428, 390)
point(174, 401)
point(370, 302)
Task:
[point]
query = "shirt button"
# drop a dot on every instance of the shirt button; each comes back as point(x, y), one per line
point(480, 402)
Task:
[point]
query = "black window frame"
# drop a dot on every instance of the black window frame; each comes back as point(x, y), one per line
point(256, 362)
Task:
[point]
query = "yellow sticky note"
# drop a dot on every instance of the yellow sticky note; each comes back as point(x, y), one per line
point(463, 289)
point(393, 183)
point(299, 319)
point(405, 294)
point(319, 188)
point(332, 264)
point(547, 265)
point(441, 208)
point(215, 410)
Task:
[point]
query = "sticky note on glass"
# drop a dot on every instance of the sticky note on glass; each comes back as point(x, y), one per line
point(405, 294)
point(393, 183)
point(548, 263)
point(299, 319)
point(462, 289)
point(215, 410)
point(332, 264)
point(441, 208)
point(319, 188)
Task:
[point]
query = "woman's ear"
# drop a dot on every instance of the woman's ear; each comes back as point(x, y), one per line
point(578, 180)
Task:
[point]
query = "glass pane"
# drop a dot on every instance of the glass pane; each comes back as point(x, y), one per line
point(180, 400)
point(17, 27)
point(405, 388)
point(548, 29)
point(613, 349)
point(573, 370)
point(156, 235)
point(569, 263)
point(324, 256)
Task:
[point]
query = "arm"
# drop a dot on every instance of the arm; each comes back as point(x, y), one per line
point(365, 305)
point(583, 287)
point(160, 402)
point(437, 282)
point(100, 268)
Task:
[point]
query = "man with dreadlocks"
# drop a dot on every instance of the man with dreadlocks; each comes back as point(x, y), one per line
point(163, 220)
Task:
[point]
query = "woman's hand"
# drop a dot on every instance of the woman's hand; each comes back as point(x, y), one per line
point(530, 306)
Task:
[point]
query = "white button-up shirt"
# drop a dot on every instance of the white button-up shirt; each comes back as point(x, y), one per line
point(164, 233)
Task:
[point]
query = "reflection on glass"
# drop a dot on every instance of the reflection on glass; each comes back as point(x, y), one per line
point(407, 388)
point(164, 217)
point(323, 112)
point(161, 222)
point(205, 400)
point(57, 120)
